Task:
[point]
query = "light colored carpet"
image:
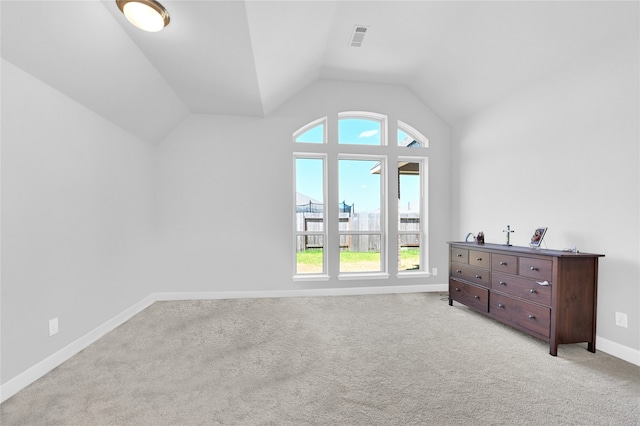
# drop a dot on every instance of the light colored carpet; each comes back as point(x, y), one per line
point(402, 359)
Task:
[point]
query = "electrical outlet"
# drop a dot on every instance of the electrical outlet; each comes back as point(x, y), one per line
point(621, 319)
point(53, 326)
point(434, 271)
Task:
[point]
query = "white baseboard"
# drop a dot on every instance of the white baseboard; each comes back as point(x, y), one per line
point(346, 291)
point(21, 381)
point(619, 351)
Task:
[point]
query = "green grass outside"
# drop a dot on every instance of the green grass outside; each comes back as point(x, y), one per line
point(311, 260)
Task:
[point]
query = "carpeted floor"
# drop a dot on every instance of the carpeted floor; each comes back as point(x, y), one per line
point(406, 359)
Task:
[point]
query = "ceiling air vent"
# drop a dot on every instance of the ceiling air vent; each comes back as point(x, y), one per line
point(358, 35)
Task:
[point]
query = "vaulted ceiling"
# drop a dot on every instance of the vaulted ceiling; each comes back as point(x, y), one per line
point(248, 57)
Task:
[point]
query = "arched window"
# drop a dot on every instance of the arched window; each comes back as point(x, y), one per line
point(362, 128)
point(314, 132)
point(409, 137)
point(368, 217)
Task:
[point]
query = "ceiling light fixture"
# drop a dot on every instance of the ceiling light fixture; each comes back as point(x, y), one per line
point(148, 15)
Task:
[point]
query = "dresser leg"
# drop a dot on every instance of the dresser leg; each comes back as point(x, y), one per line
point(591, 346)
point(450, 302)
point(553, 349)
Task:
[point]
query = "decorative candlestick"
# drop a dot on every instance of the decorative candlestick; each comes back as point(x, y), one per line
point(508, 231)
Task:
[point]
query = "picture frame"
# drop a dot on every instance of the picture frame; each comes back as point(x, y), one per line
point(537, 236)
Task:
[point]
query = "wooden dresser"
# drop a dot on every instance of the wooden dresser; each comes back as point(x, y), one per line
point(549, 294)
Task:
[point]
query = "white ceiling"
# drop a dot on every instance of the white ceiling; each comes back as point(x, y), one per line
point(248, 57)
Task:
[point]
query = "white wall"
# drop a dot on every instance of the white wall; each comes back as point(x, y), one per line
point(563, 153)
point(76, 199)
point(225, 191)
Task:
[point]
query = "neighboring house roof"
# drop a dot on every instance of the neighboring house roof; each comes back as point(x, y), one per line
point(404, 168)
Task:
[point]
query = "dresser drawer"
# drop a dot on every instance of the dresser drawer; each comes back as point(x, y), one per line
point(526, 315)
point(469, 295)
point(539, 269)
point(459, 255)
point(522, 287)
point(480, 258)
point(470, 273)
point(504, 263)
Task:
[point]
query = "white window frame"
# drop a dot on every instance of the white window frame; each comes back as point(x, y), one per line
point(384, 229)
point(424, 217)
point(331, 151)
point(325, 231)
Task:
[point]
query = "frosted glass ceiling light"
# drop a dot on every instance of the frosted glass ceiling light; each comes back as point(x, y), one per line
point(148, 15)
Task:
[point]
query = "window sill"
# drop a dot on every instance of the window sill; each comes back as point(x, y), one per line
point(310, 278)
point(361, 276)
point(413, 275)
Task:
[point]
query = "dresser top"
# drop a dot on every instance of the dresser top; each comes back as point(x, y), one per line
point(521, 249)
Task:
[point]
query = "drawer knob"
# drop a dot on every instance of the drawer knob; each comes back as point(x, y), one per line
point(533, 290)
point(458, 271)
point(500, 305)
point(532, 317)
point(503, 263)
point(459, 255)
point(457, 289)
point(478, 277)
point(476, 296)
point(503, 283)
point(533, 268)
point(478, 259)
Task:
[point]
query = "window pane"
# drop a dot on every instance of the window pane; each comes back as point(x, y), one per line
point(309, 194)
point(313, 135)
point(407, 141)
point(409, 189)
point(409, 249)
point(359, 186)
point(359, 131)
point(401, 137)
point(409, 215)
point(359, 193)
point(360, 253)
point(309, 254)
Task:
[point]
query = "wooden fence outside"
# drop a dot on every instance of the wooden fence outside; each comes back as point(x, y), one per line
point(356, 222)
